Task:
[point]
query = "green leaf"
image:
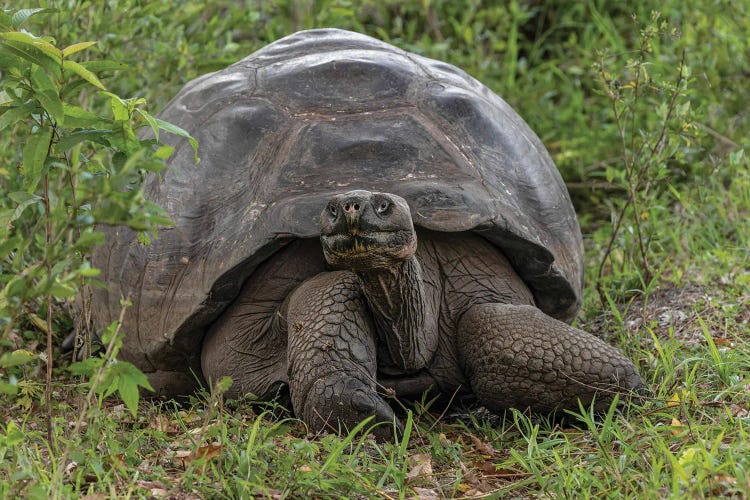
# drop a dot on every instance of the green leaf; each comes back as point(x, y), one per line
point(108, 332)
point(124, 139)
point(89, 240)
point(97, 66)
point(151, 121)
point(41, 80)
point(86, 270)
point(129, 379)
point(31, 41)
point(10, 390)
point(16, 358)
point(22, 196)
point(24, 201)
point(164, 152)
point(6, 100)
point(16, 287)
point(87, 367)
point(62, 290)
point(76, 47)
point(71, 139)
point(8, 246)
point(174, 129)
point(83, 73)
point(72, 89)
point(46, 93)
point(10, 60)
point(129, 394)
point(16, 114)
point(143, 238)
point(34, 155)
point(6, 23)
point(224, 384)
point(20, 17)
point(13, 436)
point(76, 117)
point(119, 107)
point(33, 55)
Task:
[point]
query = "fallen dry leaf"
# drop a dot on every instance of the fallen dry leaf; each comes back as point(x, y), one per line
point(473, 482)
point(676, 423)
point(723, 342)
point(677, 398)
point(71, 467)
point(484, 466)
point(444, 439)
point(204, 429)
point(481, 446)
point(419, 468)
point(155, 488)
point(206, 453)
point(161, 423)
point(725, 479)
point(424, 494)
point(739, 411)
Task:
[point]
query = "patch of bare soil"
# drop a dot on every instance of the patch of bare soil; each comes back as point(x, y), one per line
point(683, 313)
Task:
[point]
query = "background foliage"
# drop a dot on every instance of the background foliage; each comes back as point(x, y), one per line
point(644, 114)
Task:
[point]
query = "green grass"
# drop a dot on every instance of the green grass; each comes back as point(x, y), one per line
point(687, 325)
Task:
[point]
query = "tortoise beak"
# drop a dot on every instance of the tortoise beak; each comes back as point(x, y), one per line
point(352, 223)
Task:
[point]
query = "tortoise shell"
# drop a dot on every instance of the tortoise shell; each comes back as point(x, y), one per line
point(314, 114)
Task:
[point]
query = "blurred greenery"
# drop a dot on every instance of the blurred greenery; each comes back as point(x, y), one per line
point(537, 55)
point(643, 106)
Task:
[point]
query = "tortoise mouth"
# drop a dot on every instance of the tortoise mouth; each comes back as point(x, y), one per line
point(359, 250)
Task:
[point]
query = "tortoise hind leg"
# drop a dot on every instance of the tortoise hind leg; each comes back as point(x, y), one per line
point(332, 356)
point(517, 356)
point(247, 344)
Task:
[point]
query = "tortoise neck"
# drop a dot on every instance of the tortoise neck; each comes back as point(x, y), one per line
point(397, 300)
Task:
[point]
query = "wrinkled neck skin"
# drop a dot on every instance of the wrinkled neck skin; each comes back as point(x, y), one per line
point(397, 299)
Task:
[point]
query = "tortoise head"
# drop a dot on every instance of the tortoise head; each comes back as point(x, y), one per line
point(362, 230)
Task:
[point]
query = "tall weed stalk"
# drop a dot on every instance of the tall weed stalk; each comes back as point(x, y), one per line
point(653, 121)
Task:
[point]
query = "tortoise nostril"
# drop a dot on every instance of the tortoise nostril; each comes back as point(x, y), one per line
point(351, 206)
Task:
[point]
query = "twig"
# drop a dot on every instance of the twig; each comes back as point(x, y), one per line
point(48, 381)
point(95, 381)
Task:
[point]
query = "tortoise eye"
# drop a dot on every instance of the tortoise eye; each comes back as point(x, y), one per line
point(383, 206)
point(332, 209)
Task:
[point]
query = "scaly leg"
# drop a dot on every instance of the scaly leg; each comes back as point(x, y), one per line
point(518, 357)
point(332, 355)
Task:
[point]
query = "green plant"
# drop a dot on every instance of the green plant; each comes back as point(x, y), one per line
point(652, 146)
point(78, 169)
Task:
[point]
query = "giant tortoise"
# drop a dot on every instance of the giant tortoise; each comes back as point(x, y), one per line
point(365, 222)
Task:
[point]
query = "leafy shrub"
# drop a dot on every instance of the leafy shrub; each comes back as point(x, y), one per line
point(74, 169)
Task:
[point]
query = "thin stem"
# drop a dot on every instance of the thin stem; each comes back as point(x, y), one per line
point(48, 266)
point(621, 215)
point(109, 355)
point(632, 172)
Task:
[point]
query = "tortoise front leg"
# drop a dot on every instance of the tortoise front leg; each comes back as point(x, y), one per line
point(332, 355)
point(518, 357)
